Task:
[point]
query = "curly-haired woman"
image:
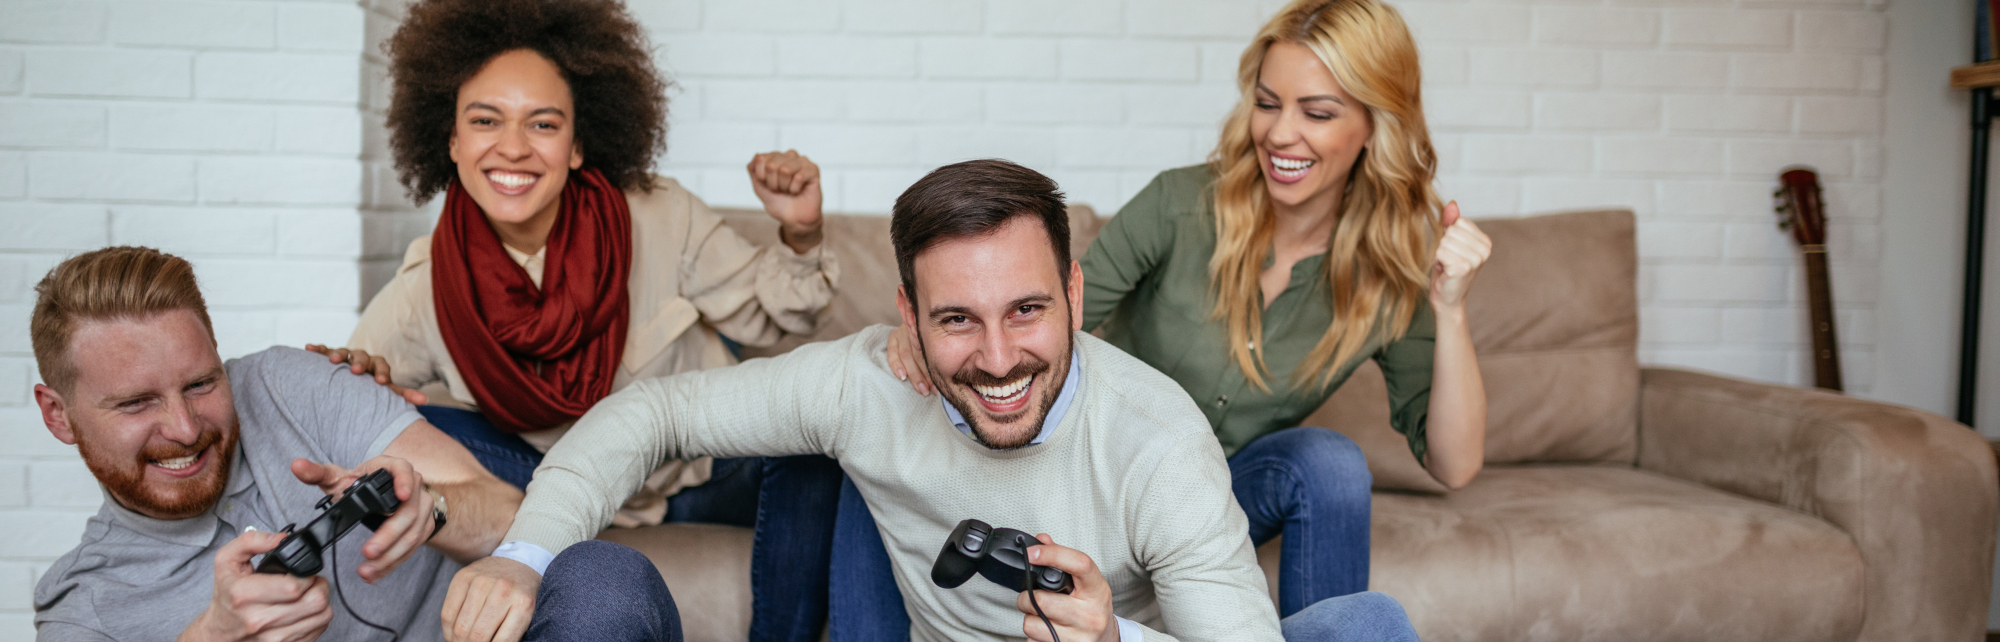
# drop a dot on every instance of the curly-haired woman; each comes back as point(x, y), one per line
point(1309, 242)
point(562, 269)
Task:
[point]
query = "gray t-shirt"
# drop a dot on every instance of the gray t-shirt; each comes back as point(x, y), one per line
point(138, 578)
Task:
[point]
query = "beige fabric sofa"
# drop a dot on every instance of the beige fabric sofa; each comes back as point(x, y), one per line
point(1619, 502)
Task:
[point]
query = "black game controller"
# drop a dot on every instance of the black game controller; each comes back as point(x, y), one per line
point(368, 501)
point(1000, 554)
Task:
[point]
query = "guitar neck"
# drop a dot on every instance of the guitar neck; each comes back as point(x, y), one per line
point(1826, 348)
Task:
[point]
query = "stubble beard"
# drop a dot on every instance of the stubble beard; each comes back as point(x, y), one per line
point(957, 392)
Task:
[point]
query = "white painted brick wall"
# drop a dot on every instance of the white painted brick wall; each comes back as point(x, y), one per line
point(247, 135)
point(228, 132)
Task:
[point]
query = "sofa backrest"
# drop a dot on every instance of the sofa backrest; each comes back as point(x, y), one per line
point(868, 278)
point(1555, 321)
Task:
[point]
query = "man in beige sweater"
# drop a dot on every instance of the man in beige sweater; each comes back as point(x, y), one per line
point(1063, 435)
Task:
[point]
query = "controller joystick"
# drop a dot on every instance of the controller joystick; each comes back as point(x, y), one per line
point(368, 501)
point(998, 554)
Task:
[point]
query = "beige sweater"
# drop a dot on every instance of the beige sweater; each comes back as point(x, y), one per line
point(1132, 477)
point(692, 277)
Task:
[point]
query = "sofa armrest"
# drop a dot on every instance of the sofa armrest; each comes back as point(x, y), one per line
point(1916, 491)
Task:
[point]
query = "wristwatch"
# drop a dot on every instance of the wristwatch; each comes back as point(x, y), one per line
point(437, 511)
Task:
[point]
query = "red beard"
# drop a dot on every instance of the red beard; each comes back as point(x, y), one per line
point(175, 499)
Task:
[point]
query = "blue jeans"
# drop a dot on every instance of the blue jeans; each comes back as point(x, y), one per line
point(503, 453)
point(789, 502)
point(1357, 617)
point(599, 591)
point(865, 604)
point(1311, 484)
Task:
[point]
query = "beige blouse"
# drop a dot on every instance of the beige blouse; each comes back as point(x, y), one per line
point(693, 281)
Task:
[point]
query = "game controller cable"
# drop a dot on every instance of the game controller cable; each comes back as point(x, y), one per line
point(368, 501)
point(1030, 573)
point(333, 555)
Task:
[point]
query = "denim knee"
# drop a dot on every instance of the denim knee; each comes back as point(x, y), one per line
point(597, 590)
point(1369, 615)
point(598, 558)
point(1320, 458)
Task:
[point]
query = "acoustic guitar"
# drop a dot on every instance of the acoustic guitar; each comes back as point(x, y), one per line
point(1801, 209)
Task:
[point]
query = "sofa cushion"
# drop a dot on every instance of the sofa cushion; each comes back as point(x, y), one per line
point(1555, 321)
point(867, 291)
point(1611, 553)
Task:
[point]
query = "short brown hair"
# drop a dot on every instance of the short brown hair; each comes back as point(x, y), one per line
point(621, 100)
point(121, 282)
point(973, 198)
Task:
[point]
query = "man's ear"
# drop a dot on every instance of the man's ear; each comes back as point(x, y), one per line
point(55, 413)
point(1075, 292)
point(906, 307)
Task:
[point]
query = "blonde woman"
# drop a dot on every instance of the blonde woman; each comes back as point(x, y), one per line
point(1309, 242)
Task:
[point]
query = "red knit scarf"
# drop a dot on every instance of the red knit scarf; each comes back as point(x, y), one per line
point(536, 358)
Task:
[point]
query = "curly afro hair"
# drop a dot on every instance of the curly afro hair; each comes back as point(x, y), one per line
point(621, 102)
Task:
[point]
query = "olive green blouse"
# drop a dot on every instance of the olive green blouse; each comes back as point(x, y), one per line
point(1145, 280)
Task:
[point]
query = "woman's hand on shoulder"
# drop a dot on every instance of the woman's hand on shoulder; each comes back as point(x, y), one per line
point(788, 184)
point(906, 358)
point(1459, 256)
point(360, 362)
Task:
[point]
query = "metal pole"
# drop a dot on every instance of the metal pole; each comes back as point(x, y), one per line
point(1975, 248)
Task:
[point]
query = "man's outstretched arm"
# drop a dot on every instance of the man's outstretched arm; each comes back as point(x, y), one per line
point(788, 405)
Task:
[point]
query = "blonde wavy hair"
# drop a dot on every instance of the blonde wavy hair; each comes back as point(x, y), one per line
point(1379, 259)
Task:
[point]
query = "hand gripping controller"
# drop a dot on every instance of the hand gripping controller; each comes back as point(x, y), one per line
point(1000, 554)
point(368, 501)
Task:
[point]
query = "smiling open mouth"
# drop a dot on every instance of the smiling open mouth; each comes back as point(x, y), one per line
point(511, 182)
point(1005, 394)
point(1290, 168)
point(177, 463)
point(183, 465)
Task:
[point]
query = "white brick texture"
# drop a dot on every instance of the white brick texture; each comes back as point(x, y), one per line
point(110, 73)
point(205, 25)
point(1596, 26)
point(1055, 17)
point(246, 135)
point(50, 21)
point(1729, 28)
point(10, 71)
